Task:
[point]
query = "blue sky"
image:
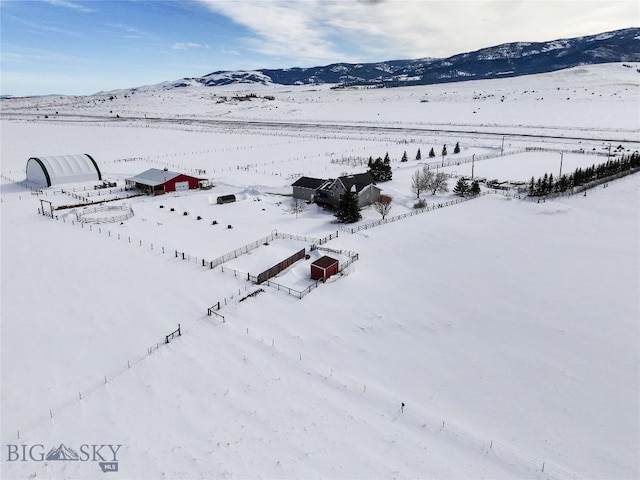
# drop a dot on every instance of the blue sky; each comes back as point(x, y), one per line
point(81, 47)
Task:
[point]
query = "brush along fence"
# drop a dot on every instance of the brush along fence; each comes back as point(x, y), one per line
point(105, 214)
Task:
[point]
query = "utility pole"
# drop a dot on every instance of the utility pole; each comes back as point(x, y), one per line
point(502, 147)
point(560, 175)
point(473, 159)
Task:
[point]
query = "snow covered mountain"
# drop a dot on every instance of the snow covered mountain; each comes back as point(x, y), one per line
point(507, 60)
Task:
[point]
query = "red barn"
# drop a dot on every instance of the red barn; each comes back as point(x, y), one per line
point(156, 182)
point(324, 267)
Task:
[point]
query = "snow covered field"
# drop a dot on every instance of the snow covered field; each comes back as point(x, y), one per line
point(508, 328)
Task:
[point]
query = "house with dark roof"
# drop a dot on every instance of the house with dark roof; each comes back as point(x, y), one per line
point(156, 182)
point(329, 193)
point(305, 187)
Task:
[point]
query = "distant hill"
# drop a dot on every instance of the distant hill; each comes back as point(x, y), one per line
point(507, 60)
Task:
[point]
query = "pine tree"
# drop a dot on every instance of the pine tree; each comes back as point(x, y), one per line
point(444, 150)
point(386, 157)
point(532, 187)
point(385, 170)
point(475, 188)
point(348, 209)
point(457, 148)
point(404, 157)
point(461, 187)
point(432, 153)
point(418, 155)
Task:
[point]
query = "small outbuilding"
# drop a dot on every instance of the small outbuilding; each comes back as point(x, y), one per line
point(46, 171)
point(156, 182)
point(225, 199)
point(324, 267)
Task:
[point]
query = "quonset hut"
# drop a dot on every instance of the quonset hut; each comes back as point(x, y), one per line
point(59, 169)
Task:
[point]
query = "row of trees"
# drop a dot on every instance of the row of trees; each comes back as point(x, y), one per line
point(548, 184)
point(379, 162)
point(432, 153)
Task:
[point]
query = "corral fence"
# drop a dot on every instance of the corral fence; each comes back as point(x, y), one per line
point(264, 241)
point(352, 257)
point(86, 215)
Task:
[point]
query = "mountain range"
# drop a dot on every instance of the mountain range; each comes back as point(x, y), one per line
point(506, 60)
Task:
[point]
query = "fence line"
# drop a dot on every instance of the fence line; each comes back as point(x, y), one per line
point(417, 211)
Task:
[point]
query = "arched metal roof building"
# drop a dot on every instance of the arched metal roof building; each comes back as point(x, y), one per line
point(57, 169)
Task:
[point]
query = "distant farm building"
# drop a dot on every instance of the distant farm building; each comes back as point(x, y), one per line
point(324, 267)
point(156, 182)
point(60, 169)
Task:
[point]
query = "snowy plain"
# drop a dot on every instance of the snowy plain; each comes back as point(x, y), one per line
point(508, 328)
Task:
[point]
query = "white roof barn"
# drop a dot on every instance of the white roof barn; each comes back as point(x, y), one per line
point(51, 170)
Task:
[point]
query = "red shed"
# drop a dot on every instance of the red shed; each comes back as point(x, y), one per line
point(324, 267)
point(156, 181)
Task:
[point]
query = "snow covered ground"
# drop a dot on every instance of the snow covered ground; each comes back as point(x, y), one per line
point(508, 328)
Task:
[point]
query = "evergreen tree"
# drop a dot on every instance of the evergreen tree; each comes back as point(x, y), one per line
point(461, 187)
point(532, 187)
point(475, 188)
point(418, 155)
point(457, 148)
point(444, 150)
point(544, 187)
point(432, 153)
point(385, 170)
point(404, 157)
point(386, 157)
point(348, 209)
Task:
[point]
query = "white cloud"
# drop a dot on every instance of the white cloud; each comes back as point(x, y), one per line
point(72, 5)
point(367, 30)
point(187, 46)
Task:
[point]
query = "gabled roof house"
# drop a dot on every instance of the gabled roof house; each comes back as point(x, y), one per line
point(331, 190)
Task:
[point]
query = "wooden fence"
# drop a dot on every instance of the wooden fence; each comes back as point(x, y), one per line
point(276, 269)
point(417, 211)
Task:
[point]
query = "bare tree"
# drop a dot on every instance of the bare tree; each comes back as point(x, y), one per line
point(438, 183)
point(420, 180)
point(383, 206)
point(298, 206)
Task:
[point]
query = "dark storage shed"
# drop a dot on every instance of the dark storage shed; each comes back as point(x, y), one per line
point(324, 267)
point(226, 199)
